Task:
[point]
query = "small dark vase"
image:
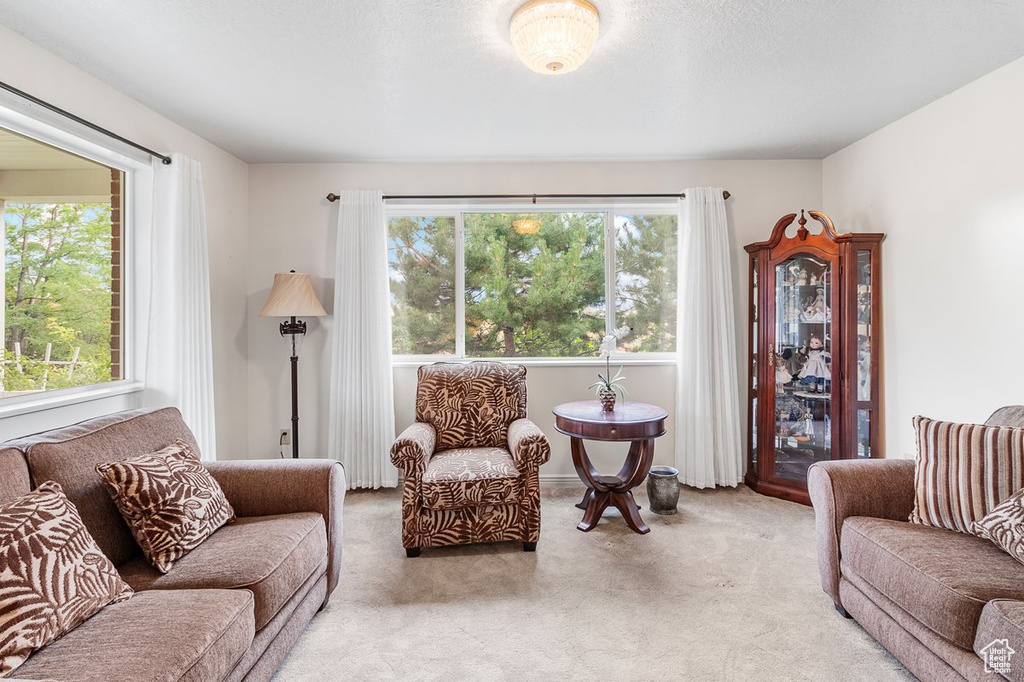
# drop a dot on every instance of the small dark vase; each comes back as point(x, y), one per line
point(607, 398)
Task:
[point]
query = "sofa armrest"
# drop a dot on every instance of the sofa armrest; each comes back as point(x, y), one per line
point(263, 487)
point(1002, 619)
point(413, 448)
point(879, 488)
point(527, 443)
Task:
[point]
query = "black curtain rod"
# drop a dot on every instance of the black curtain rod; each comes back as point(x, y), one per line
point(77, 119)
point(332, 197)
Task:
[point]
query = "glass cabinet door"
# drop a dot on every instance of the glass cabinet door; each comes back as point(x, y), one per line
point(865, 338)
point(752, 419)
point(802, 359)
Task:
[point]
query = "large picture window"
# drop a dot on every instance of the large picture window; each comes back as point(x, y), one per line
point(548, 284)
point(62, 269)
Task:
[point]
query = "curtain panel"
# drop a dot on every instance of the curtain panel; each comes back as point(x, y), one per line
point(179, 338)
point(709, 425)
point(361, 423)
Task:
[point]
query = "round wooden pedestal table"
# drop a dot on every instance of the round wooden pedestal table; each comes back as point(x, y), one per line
point(636, 423)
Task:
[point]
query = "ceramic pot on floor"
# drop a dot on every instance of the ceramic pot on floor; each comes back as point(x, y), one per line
point(663, 489)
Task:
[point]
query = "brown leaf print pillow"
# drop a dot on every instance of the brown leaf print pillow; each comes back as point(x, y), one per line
point(53, 576)
point(169, 500)
point(1004, 526)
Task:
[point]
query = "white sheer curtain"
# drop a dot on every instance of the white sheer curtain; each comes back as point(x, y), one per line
point(708, 424)
point(361, 426)
point(179, 338)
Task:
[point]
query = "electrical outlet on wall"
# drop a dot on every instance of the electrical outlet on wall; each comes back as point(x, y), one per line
point(284, 441)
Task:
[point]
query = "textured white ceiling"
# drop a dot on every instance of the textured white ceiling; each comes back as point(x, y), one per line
point(347, 80)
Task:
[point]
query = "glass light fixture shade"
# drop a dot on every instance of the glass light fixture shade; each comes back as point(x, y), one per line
point(292, 296)
point(554, 36)
point(526, 225)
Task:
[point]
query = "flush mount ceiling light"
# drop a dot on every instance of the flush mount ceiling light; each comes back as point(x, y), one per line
point(554, 36)
point(526, 225)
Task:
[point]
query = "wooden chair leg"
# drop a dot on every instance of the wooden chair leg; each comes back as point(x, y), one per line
point(529, 546)
point(413, 552)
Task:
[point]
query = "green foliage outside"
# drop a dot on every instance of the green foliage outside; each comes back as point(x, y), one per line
point(534, 295)
point(421, 255)
point(58, 283)
point(645, 287)
point(531, 295)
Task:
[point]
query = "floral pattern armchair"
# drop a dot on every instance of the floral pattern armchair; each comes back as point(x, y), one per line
point(471, 460)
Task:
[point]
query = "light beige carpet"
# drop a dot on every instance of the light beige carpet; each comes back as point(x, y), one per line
point(727, 589)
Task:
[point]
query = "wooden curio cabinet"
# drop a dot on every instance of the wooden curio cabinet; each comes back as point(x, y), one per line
point(815, 345)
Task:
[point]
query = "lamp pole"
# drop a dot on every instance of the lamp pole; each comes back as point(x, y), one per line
point(294, 327)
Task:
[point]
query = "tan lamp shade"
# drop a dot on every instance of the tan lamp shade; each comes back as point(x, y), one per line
point(292, 296)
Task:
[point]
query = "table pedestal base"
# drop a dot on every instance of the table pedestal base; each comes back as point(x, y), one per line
point(582, 504)
point(614, 490)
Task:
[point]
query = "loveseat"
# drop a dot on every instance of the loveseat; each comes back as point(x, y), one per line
point(936, 599)
point(233, 607)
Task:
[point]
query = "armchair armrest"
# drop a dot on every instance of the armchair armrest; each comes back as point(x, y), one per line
point(879, 488)
point(527, 443)
point(413, 448)
point(263, 487)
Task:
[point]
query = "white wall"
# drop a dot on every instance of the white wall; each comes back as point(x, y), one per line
point(38, 72)
point(946, 184)
point(292, 227)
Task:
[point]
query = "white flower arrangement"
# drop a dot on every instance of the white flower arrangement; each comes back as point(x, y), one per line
point(607, 381)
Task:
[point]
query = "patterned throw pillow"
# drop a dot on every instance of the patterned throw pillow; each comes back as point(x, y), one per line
point(53, 576)
point(169, 500)
point(1004, 526)
point(964, 471)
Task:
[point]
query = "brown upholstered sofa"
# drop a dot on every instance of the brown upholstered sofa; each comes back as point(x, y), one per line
point(934, 598)
point(232, 608)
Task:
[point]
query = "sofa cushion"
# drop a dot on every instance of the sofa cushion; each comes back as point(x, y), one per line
point(270, 555)
point(963, 471)
point(186, 635)
point(169, 500)
point(53, 577)
point(941, 578)
point(471, 405)
point(69, 456)
point(469, 477)
point(1002, 625)
point(14, 478)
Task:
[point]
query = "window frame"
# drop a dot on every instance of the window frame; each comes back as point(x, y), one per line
point(457, 212)
point(47, 128)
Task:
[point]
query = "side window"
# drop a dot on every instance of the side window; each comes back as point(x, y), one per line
point(63, 279)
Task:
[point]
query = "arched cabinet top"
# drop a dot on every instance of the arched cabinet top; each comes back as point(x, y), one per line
point(824, 240)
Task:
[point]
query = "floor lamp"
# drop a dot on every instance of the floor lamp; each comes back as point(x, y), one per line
point(292, 296)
